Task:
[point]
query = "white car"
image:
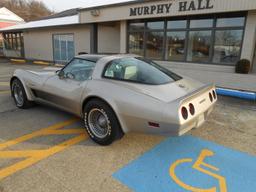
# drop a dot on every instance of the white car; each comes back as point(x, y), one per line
point(117, 94)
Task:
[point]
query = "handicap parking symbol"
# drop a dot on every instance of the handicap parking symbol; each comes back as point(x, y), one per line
point(198, 166)
point(189, 164)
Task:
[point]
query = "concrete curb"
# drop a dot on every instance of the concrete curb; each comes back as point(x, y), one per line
point(41, 63)
point(17, 61)
point(236, 93)
point(36, 62)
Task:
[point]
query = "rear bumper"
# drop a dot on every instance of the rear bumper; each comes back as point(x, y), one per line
point(194, 123)
point(179, 130)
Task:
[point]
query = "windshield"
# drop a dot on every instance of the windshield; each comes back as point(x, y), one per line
point(139, 70)
point(79, 69)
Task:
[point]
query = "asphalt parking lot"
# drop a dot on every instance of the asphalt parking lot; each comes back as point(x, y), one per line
point(45, 149)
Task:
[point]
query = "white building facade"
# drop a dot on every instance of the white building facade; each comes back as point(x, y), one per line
point(193, 33)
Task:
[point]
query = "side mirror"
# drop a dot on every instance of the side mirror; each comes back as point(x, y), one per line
point(61, 74)
point(70, 76)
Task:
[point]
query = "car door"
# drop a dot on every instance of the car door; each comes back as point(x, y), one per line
point(66, 87)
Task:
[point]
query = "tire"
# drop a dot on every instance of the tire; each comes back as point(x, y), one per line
point(19, 95)
point(101, 123)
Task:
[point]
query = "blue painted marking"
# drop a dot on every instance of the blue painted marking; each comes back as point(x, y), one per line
point(235, 93)
point(150, 172)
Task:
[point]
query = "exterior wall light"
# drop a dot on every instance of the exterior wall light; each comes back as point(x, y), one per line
point(95, 12)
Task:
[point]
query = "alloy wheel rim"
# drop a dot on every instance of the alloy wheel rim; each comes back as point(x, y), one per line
point(18, 94)
point(98, 123)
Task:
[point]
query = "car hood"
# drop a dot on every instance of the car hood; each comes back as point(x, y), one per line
point(167, 92)
point(47, 71)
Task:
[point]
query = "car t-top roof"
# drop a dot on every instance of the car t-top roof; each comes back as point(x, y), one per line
point(89, 57)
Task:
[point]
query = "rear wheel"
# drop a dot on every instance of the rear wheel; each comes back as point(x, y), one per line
point(19, 95)
point(101, 122)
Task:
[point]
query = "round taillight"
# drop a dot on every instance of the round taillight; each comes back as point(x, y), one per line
point(214, 94)
point(210, 96)
point(191, 109)
point(184, 113)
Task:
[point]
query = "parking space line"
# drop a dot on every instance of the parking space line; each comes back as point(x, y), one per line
point(36, 133)
point(34, 156)
point(19, 154)
point(35, 153)
point(63, 132)
point(40, 155)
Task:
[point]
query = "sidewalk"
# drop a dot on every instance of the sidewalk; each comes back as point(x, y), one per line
point(224, 79)
point(211, 74)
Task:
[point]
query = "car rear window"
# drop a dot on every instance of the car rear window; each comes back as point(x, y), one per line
point(139, 70)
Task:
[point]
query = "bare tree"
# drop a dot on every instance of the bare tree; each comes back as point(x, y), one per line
point(29, 10)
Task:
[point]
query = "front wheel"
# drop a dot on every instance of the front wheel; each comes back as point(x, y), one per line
point(19, 95)
point(101, 122)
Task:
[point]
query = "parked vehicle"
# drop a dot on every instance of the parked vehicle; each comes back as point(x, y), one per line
point(117, 94)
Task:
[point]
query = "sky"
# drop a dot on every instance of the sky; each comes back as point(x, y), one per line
point(60, 5)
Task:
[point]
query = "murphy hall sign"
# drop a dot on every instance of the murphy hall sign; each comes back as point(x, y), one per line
point(166, 8)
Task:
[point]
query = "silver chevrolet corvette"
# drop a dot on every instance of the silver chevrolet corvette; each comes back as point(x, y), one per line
point(117, 94)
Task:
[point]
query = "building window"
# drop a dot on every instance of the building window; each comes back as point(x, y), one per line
point(137, 26)
point(180, 24)
point(154, 35)
point(214, 39)
point(227, 46)
point(154, 47)
point(201, 23)
point(136, 40)
point(199, 46)
point(176, 40)
point(13, 41)
point(155, 25)
point(231, 22)
point(176, 46)
point(63, 47)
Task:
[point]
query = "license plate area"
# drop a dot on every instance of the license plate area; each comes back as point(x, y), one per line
point(201, 120)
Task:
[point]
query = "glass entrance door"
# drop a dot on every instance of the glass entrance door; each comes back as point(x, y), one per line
point(63, 47)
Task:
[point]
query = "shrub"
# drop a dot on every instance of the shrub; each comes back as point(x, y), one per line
point(243, 66)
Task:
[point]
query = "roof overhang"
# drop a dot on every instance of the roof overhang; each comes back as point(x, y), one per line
point(55, 22)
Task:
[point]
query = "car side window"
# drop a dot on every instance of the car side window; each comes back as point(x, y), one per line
point(139, 70)
point(115, 70)
point(79, 69)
